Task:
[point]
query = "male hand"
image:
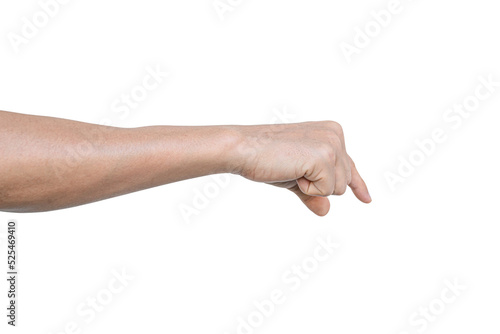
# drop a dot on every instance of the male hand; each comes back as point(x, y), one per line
point(310, 159)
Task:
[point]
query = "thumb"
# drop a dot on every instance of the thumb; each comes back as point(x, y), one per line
point(317, 204)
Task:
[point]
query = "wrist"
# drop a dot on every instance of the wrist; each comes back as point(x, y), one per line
point(232, 157)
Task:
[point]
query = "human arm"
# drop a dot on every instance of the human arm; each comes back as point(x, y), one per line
point(50, 163)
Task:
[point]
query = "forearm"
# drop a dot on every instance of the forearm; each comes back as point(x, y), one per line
point(48, 163)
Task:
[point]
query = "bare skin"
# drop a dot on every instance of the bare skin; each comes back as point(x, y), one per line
point(50, 163)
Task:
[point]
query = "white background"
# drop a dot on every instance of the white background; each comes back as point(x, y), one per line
point(265, 58)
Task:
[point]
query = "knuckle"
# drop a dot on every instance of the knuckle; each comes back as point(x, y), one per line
point(340, 131)
point(332, 124)
point(327, 152)
point(336, 141)
point(340, 189)
point(336, 127)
